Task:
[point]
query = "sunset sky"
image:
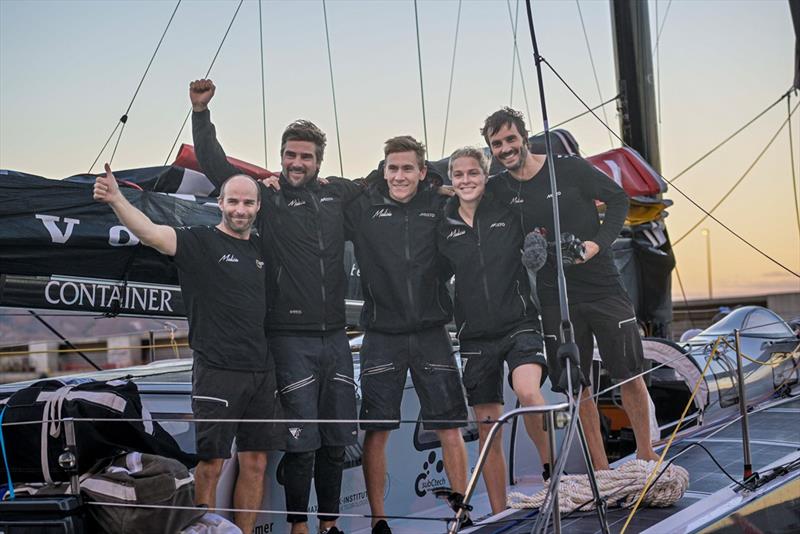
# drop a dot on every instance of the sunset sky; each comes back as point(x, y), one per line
point(68, 70)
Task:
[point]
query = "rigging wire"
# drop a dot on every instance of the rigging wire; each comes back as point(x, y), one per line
point(594, 68)
point(683, 294)
point(211, 66)
point(124, 119)
point(333, 89)
point(579, 115)
point(452, 72)
point(514, 27)
point(421, 83)
point(791, 161)
point(737, 183)
point(731, 136)
point(686, 196)
point(263, 84)
point(663, 22)
point(519, 63)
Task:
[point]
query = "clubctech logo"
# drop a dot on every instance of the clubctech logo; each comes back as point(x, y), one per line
point(432, 476)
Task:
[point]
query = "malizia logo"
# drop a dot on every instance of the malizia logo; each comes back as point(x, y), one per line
point(383, 212)
point(456, 233)
point(296, 202)
point(432, 476)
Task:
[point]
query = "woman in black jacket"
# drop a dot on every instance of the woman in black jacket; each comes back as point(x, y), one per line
point(496, 319)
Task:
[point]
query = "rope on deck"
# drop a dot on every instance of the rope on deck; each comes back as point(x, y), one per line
point(618, 487)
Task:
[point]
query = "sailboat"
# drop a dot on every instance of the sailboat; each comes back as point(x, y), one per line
point(50, 233)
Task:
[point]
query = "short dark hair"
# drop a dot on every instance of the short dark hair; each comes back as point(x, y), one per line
point(303, 130)
point(255, 183)
point(405, 143)
point(504, 117)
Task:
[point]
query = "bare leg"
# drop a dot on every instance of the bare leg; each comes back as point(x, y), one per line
point(206, 476)
point(374, 465)
point(590, 419)
point(249, 489)
point(635, 400)
point(454, 454)
point(526, 379)
point(300, 528)
point(494, 470)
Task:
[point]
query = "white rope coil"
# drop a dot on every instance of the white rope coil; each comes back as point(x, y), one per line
point(618, 487)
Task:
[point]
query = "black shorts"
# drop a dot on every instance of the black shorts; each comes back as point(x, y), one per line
point(612, 322)
point(385, 362)
point(315, 381)
point(225, 394)
point(483, 370)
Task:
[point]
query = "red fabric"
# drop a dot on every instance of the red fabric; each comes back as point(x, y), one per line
point(187, 159)
point(630, 171)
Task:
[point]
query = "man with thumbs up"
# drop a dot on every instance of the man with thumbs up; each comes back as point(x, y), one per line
point(222, 277)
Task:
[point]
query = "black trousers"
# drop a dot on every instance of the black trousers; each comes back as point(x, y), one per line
point(325, 466)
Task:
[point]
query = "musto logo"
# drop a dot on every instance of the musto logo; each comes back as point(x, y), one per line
point(432, 476)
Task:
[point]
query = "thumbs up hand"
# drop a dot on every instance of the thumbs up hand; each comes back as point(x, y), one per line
point(106, 189)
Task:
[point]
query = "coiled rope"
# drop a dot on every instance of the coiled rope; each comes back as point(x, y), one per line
point(618, 487)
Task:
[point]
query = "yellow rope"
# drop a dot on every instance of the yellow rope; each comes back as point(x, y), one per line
point(768, 363)
point(173, 344)
point(672, 437)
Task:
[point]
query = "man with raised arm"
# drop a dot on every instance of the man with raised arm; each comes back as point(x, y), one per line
point(222, 278)
point(406, 307)
point(302, 228)
point(599, 305)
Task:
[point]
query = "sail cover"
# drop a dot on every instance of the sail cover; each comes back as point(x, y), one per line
point(60, 249)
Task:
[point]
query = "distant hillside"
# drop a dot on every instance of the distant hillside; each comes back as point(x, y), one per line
point(18, 327)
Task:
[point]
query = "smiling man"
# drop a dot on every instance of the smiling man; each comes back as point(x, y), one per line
point(301, 230)
point(406, 305)
point(222, 278)
point(598, 303)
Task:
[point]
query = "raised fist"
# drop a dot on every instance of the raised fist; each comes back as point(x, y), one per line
point(200, 94)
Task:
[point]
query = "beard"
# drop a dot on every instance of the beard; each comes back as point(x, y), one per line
point(307, 176)
point(521, 157)
point(240, 226)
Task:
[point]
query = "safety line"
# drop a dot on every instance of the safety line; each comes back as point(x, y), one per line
point(738, 182)
point(452, 72)
point(421, 84)
point(259, 511)
point(263, 83)
point(594, 68)
point(333, 89)
point(253, 421)
point(124, 119)
point(213, 60)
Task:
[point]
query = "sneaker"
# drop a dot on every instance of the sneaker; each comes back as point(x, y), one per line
point(456, 501)
point(546, 472)
point(332, 530)
point(381, 527)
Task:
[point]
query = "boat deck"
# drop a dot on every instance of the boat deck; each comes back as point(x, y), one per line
point(773, 435)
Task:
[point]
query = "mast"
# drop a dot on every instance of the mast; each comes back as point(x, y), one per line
point(634, 64)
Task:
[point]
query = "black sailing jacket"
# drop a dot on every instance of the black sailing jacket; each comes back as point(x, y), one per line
point(492, 289)
point(395, 245)
point(302, 232)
